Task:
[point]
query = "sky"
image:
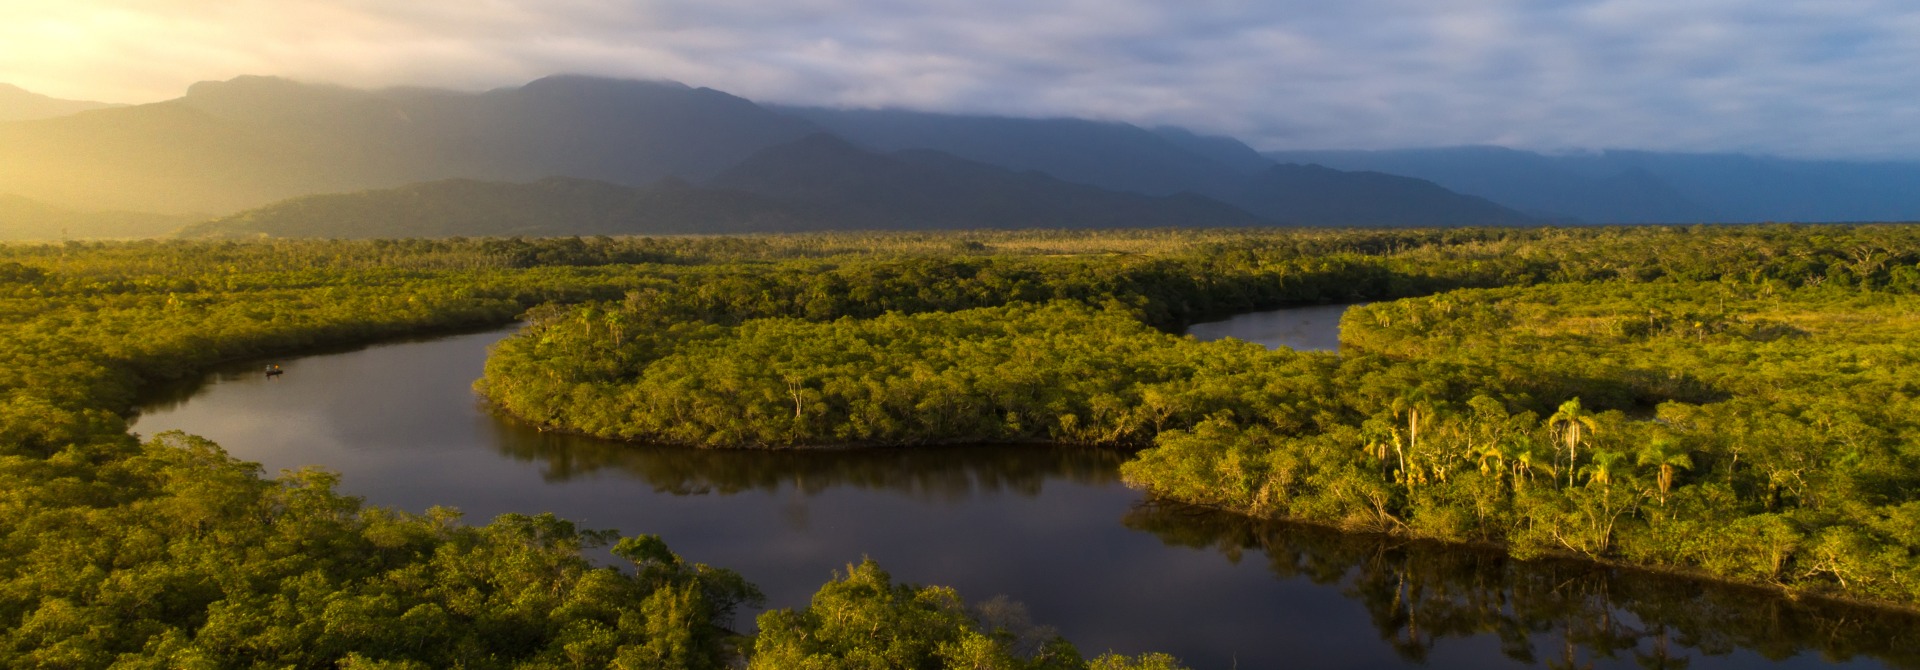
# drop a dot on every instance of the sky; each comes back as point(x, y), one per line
point(1802, 78)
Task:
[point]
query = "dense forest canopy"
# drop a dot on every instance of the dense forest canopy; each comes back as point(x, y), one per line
point(1729, 401)
point(119, 550)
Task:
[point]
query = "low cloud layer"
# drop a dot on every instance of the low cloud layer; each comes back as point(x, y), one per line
point(1820, 78)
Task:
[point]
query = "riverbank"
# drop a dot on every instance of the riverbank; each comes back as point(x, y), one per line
point(795, 516)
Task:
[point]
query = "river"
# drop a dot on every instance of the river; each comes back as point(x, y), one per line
point(1052, 528)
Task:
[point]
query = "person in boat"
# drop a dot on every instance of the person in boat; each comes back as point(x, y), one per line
point(274, 370)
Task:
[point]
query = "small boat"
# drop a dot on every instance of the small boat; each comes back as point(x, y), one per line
point(274, 371)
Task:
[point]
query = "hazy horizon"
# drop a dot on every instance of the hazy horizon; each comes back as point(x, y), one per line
point(1793, 79)
point(1558, 151)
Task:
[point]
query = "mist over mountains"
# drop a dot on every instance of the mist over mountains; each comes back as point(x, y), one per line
point(24, 219)
point(819, 182)
point(1113, 156)
point(262, 155)
point(247, 142)
point(17, 104)
point(1653, 187)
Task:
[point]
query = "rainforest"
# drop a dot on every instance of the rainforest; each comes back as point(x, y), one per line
point(1713, 403)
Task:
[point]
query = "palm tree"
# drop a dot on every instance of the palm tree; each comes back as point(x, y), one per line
point(1525, 455)
point(1419, 409)
point(1667, 452)
point(1572, 423)
point(1604, 466)
point(1495, 451)
point(588, 315)
point(617, 321)
point(1379, 436)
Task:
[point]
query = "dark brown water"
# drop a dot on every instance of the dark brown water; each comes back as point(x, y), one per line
point(1050, 527)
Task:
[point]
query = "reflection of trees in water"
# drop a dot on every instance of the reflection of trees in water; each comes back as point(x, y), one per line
point(1566, 614)
point(931, 472)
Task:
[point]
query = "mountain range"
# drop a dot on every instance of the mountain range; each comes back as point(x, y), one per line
point(25, 219)
point(18, 104)
point(820, 182)
point(231, 150)
point(256, 155)
point(243, 143)
point(1113, 156)
point(1652, 187)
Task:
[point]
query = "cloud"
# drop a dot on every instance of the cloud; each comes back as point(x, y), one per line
point(1795, 77)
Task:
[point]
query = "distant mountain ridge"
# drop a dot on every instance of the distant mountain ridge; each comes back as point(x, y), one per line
point(1168, 161)
point(1527, 181)
point(1114, 156)
point(25, 219)
point(1329, 197)
point(18, 104)
point(471, 208)
point(251, 142)
point(243, 143)
point(1653, 187)
point(817, 183)
point(922, 188)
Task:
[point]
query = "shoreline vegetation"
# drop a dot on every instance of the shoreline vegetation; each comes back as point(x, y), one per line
point(159, 551)
point(1727, 402)
point(1736, 414)
point(1420, 592)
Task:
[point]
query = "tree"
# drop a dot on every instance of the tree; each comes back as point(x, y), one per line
point(1666, 452)
point(864, 620)
point(1572, 423)
point(1603, 467)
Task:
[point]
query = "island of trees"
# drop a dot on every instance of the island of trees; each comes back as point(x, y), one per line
point(1732, 402)
point(1729, 402)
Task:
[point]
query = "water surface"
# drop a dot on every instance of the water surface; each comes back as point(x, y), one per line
point(1050, 527)
point(1315, 328)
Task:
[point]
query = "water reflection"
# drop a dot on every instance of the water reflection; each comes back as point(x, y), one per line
point(1564, 614)
point(935, 473)
point(1315, 328)
point(1048, 526)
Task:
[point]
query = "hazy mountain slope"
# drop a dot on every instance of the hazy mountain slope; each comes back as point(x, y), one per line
point(1322, 196)
point(1760, 188)
point(18, 104)
point(247, 142)
point(818, 183)
point(1530, 182)
point(1223, 150)
point(825, 183)
point(1113, 156)
point(622, 131)
point(930, 189)
point(165, 157)
point(1642, 186)
point(1121, 157)
point(24, 219)
point(550, 207)
point(252, 140)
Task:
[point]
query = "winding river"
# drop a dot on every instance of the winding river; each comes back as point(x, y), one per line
point(1051, 528)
